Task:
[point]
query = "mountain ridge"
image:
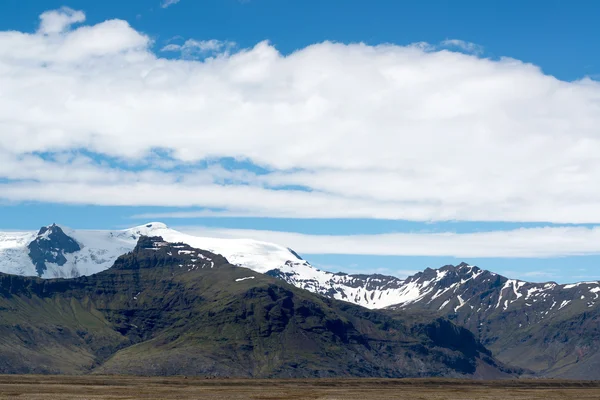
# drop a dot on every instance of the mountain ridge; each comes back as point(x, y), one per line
point(546, 327)
point(551, 323)
point(99, 249)
point(170, 309)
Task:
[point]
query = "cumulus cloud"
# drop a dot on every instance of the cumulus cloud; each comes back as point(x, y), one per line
point(331, 130)
point(58, 62)
point(543, 242)
point(57, 21)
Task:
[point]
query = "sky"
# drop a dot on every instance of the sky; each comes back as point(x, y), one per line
point(368, 136)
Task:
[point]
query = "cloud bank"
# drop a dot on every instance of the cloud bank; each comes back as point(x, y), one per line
point(520, 243)
point(89, 114)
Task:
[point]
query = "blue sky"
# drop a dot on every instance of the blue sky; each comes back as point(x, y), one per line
point(265, 117)
point(552, 34)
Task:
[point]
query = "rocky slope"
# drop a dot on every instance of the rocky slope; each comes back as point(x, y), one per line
point(169, 309)
point(549, 328)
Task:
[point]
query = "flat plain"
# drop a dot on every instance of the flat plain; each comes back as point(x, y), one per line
point(37, 387)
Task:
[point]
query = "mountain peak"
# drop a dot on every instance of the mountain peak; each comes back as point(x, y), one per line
point(463, 269)
point(51, 246)
point(48, 229)
point(56, 234)
point(450, 267)
point(154, 251)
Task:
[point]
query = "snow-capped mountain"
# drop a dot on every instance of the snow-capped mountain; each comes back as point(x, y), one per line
point(371, 291)
point(454, 288)
point(58, 252)
point(546, 327)
point(549, 328)
point(69, 253)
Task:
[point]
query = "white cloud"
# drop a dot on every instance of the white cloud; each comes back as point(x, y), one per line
point(56, 64)
point(520, 243)
point(57, 21)
point(462, 45)
point(168, 3)
point(402, 132)
point(197, 48)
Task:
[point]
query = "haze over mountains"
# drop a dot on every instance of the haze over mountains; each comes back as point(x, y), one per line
point(546, 328)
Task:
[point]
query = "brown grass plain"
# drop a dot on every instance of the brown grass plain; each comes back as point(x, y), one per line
point(36, 387)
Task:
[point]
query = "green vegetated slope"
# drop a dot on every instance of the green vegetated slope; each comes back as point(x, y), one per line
point(168, 309)
point(564, 345)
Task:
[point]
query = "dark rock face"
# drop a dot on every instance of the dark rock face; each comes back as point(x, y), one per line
point(50, 246)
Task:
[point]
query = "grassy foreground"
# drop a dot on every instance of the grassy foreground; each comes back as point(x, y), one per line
point(127, 387)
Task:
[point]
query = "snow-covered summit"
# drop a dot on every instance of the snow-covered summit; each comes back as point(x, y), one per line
point(257, 255)
point(86, 252)
point(59, 252)
point(466, 290)
point(98, 249)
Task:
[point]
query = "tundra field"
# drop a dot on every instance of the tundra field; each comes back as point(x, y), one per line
point(127, 387)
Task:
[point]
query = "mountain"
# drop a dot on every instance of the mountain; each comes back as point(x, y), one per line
point(59, 252)
point(170, 309)
point(549, 328)
point(56, 252)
